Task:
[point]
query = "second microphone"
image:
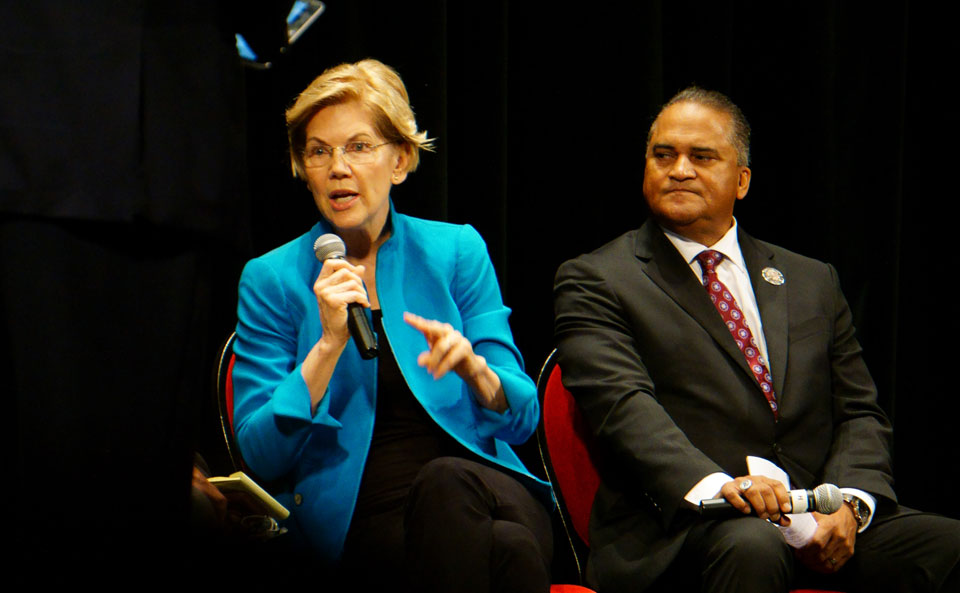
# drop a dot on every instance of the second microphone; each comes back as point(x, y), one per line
point(825, 499)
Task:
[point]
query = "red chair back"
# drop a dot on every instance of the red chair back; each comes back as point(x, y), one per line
point(566, 455)
point(224, 380)
point(565, 452)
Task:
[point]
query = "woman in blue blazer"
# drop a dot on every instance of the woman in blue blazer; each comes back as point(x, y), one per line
point(400, 466)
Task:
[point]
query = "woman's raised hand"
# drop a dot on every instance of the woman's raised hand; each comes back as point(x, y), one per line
point(449, 350)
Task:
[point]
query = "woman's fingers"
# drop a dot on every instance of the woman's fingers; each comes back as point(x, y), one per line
point(431, 329)
point(338, 284)
point(448, 348)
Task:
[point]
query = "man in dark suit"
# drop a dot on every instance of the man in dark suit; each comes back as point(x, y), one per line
point(690, 346)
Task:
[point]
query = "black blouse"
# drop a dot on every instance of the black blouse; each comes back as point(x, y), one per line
point(405, 437)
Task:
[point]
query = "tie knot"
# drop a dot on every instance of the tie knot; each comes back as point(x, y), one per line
point(709, 259)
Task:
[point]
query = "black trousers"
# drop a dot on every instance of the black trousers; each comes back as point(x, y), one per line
point(905, 551)
point(465, 527)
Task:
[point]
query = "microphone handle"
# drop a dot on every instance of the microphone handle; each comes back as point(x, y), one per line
point(362, 333)
point(802, 501)
point(719, 508)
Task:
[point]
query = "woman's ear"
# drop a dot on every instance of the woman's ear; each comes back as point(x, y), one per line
point(401, 165)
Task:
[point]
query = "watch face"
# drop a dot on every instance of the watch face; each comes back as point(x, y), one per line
point(860, 511)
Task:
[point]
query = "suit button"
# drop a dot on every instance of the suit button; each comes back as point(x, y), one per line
point(297, 499)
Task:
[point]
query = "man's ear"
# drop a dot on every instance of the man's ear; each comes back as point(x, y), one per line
point(743, 183)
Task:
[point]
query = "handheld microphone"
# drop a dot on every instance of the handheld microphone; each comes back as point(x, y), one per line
point(330, 246)
point(825, 498)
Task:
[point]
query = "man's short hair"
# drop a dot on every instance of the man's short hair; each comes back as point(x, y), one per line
point(740, 130)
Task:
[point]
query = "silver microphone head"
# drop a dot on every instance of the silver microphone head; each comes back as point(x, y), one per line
point(827, 499)
point(329, 245)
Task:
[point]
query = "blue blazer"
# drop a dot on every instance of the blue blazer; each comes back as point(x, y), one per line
point(435, 270)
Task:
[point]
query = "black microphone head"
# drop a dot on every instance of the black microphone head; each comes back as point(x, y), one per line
point(827, 499)
point(329, 245)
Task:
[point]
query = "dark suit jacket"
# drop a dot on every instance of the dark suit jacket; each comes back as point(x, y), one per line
point(670, 398)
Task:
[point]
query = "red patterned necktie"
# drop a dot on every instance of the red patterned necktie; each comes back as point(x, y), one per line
point(733, 317)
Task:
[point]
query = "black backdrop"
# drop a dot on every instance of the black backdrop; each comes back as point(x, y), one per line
point(540, 114)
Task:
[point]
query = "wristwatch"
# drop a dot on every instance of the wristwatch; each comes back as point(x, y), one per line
point(861, 512)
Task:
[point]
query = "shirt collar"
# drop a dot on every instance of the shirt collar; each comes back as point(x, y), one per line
point(728, 245)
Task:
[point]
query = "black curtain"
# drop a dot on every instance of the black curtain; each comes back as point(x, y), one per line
point(541, 112)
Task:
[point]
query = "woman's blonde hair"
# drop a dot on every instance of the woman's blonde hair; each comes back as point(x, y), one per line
point(378, 88)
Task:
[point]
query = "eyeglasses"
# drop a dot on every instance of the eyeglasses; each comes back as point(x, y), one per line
point(355, 153)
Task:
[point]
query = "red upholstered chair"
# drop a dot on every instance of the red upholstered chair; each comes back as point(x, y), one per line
point(565, 450)
point(563, 441)
point(224, 391)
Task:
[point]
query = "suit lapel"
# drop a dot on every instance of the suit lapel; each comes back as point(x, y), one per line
point(772, 303)
point(667, 269)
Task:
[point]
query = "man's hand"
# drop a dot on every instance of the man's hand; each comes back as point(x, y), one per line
point(766, 497)
point(832, 543)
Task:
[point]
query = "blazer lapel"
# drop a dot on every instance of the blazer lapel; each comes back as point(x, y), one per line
point(667, 269)
point(772, 303)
